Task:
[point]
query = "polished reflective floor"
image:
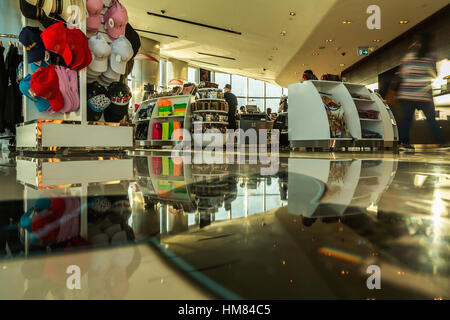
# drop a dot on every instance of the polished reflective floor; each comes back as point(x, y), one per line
point(157, 225)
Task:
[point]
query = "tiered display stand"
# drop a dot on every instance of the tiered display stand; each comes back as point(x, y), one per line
point(308, 120)
point(42, 131)
point(155, 118)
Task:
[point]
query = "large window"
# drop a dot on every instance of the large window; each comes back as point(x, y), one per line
point(222, 79)
point(193, 75)
point(239, 85)
point(248, 91)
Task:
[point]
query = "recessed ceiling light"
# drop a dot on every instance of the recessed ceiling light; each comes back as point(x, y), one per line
point(328, 40)
point(346, 22)
point(342, 64)
point(283, 33)
point(376, 40)
point(403, 21)
point(292, 13)
point(315, 54)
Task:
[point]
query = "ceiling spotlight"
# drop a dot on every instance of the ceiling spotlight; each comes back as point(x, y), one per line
point(315, 54)
point(377, 40)
point(328, 40)
point(292, 13)
point(283, 33)
point(346, 22)
point(403, 21)
point(342, 64)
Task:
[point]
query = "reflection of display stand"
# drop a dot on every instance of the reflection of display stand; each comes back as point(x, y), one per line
point(155, 118)
point(52, 178)
point(357, 183)
point(42, 131)
point(309, 124)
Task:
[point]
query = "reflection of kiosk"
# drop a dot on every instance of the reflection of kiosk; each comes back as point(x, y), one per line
point(69, 178)
point(349, 186)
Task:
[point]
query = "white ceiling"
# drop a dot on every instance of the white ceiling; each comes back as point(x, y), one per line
point(261, 23)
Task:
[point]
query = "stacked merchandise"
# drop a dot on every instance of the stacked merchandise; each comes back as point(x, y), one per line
point(113, 51)
point(55, 55)
point(369, 114)
point(210, 109)
point(335, 112)
point(61, 50)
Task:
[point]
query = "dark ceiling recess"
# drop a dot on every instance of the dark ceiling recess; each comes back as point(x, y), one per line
point(215, 56)
point(212, 64)
point(194, 23)
point(157, 33)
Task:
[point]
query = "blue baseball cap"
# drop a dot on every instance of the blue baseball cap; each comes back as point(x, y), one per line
point(24, 87)
point(30, 37)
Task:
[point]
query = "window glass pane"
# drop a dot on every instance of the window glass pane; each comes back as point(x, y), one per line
point(169, 73)
point(241, 102)
point(239, 85)
point(256, 88)
point(161, 73)
point(257, 102)
point(273, 104)
point(273, 91)
point(222, 79)
point(192, 75)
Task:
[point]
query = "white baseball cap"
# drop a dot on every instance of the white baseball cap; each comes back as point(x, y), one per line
point(100, 50)
point(121, 53)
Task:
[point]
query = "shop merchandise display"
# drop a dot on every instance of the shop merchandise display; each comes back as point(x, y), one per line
point(120, 95)
point(338, 127)
point(53, 81)
point(115, 19)
point(97, 102)
point(210, 109)
point(10, 111)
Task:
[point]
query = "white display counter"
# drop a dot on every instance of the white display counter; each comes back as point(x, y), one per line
point(309, 125)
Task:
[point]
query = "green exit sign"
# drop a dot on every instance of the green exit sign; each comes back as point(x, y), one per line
point(363, 51)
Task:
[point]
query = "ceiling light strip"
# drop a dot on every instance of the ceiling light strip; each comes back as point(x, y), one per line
point(194, 23)
point(157, 33)
point(215, 56)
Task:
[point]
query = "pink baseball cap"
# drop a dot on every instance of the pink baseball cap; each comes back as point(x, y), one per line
point(73, 85)
point(94, 9)
point(115, 19)
point(65, 89)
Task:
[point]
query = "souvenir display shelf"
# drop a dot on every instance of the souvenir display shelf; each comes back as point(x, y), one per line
point(211, 95)
point(152, 104)
point(44, 132)
point(69, 177)
point(309, 124)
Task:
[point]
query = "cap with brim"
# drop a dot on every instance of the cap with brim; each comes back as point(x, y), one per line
point(93, 23)
point(40, 103)
point(30, 37)
point(110, 74)
point(55, 40)
point(44, 83)
point(121, 53)
point(79, 46)
point(134, 38)
point(63, 81)
point(31, 11)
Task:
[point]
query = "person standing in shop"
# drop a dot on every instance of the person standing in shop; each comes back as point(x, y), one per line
point(415, 92)
point(232, 105)
point(283, 105)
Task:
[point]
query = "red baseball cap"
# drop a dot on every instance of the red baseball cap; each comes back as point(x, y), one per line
point(45, 84)
point(79, 46)
point(55, 40)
